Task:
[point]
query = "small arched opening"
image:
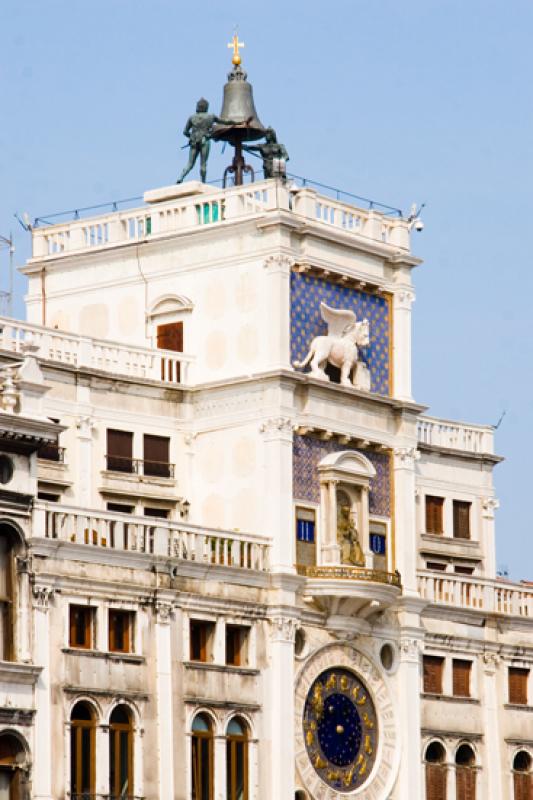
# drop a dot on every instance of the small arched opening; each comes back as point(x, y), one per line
point(435, 768)
point(465, 773)
point(121, 753)
point(13, 760)
point(202, 758)
point(82, 751)
point(10, 545)
point(237, 759)
point(522, 776)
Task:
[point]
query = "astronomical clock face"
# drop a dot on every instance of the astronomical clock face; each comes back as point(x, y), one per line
point(340, 729)
point(346, 731)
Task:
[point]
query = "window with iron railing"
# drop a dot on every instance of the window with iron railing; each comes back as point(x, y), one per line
point(52, 452)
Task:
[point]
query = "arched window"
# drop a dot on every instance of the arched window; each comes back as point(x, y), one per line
point(236, 760)
point(522, 776)
point(465, 773)
point(7, 594)
point(435, 772)
point(82, 751)
point(202, 758)
point(120, 753)
point(12, 758)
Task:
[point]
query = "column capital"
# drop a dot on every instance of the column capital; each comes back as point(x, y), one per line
point(274, 425)
point(404, 298)
point(279, 262)
point(406, 456)
point(42, 595)
point(283, 629)
point(164, 611)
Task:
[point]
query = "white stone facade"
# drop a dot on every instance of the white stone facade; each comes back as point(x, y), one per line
point(234, 541)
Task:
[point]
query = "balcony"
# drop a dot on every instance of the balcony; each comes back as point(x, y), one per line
point(138, 466)
point(435, 433)
point(350, 596)
point(476, 594)
point(52, 452)
point(79, 352)
point(193, 206)
point(191, 544)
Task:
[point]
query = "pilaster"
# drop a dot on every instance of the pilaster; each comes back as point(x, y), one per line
point(405, 516)
point(278, 509)
point(280, 706)
point(84, 427)
point(410, 777)
point(42, 757)
point(402, 301)
point(492, 727)
point(277, 310)
point(163, 616)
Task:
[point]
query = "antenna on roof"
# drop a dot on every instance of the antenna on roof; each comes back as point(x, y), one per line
point(500, 420)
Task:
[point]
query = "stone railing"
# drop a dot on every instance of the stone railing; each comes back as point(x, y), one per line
point(489, 596)
point(151, 536)
point(83, 351)
point(209, 206)
point(341, 572)
point(455, 435)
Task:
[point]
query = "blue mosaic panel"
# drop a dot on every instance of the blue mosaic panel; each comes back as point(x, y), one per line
point(308, 292)
point(307, 452)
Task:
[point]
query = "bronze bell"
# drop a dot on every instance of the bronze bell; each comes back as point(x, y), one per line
point(239, 109)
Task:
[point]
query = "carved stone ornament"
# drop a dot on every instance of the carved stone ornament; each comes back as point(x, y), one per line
point(283, 629)
point(491, 661)
point(42, 596)
point(340, 348)
point(282, 424)
point(490, 504)
point(279, 261)
point(407, 455)
point(410, 649)
point(163, 611)
point(345, 726)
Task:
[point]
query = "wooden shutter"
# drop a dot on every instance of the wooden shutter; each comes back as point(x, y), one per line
point(433, 667)
point(523, 786)
point(461, 519)
point(170, 337)
point(461, 677)
point(518, 679)
point(156, 455)
point(465, 783)
point(120, 450)
point(434, 507)
point(435, 782)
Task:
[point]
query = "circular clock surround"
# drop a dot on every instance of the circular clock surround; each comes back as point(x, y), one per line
point(340, 729)
point(355, 669)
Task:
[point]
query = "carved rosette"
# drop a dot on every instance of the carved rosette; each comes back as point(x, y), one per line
point(374, 753)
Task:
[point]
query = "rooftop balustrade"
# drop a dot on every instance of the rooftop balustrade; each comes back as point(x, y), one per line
point(146, 535)
point(456, 435)
point(210, 206)
point(100, 354)
point(477, 594)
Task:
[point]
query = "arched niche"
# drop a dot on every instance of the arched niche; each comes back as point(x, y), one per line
point(344, 486)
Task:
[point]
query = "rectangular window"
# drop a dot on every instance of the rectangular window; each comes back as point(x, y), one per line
point(120, 451)
point(120, 631)
point(120, 508)
point(236, 639)
point(49, 497)
point(461, 677)
point(170, 337)
point(518, 680)
point(436, 566)
point(156, 455)
point(305, 536)
point(81, 625)
point(461, 519)
point(433, 669)
point(162, 513)
point(434, 508)
point(460, 570)
point(200, 639)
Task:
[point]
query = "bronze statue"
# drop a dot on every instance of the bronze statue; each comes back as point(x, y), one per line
point(351, 552)
point(273, 153)
point(199, 129)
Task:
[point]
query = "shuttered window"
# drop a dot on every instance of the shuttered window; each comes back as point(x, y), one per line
point(156, 455)
point(119, 450)
point(120, 631)
point(461, 677)
point(435, 782)
point(523, 786)
point(81, 624)
point(518, 680)
point(170, 337)
point(461, 519)
point(433, 669)
point(434, 507)
point(465, 783)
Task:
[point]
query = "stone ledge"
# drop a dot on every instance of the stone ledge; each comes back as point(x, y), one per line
point(450, 698)
point(132, 658)
point(17, 672)
point(226, 668)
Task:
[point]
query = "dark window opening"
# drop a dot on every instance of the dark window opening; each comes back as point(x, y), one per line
point(200, 634)
point(120, 508)
point(461, 519)
point(236, 637)
point(518, 680)
point(156, 456)
point(434, 512)
point(433, 668)
point(120, 631)
point(461, 671)
point(120, 451)
point(162, 513)
point(81, 622)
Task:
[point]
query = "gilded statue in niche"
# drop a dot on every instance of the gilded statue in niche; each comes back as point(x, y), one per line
point(348, 537)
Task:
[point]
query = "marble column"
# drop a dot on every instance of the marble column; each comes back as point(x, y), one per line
point(163, 617)
point(280, 707)
point(42, 756)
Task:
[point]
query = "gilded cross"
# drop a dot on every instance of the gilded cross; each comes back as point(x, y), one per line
point(236, 44)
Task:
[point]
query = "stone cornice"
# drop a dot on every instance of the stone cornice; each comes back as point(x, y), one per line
point(488, 458)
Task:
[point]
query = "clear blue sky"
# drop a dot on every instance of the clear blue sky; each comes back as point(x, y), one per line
point(399, 101)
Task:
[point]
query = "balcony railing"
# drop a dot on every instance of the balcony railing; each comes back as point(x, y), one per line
point(343, 572)
point(125, 532)
point(456, 435)
point(478, 594)
point(51, 452)
point(216, 207)
point(99, 354)
point(138, 466)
